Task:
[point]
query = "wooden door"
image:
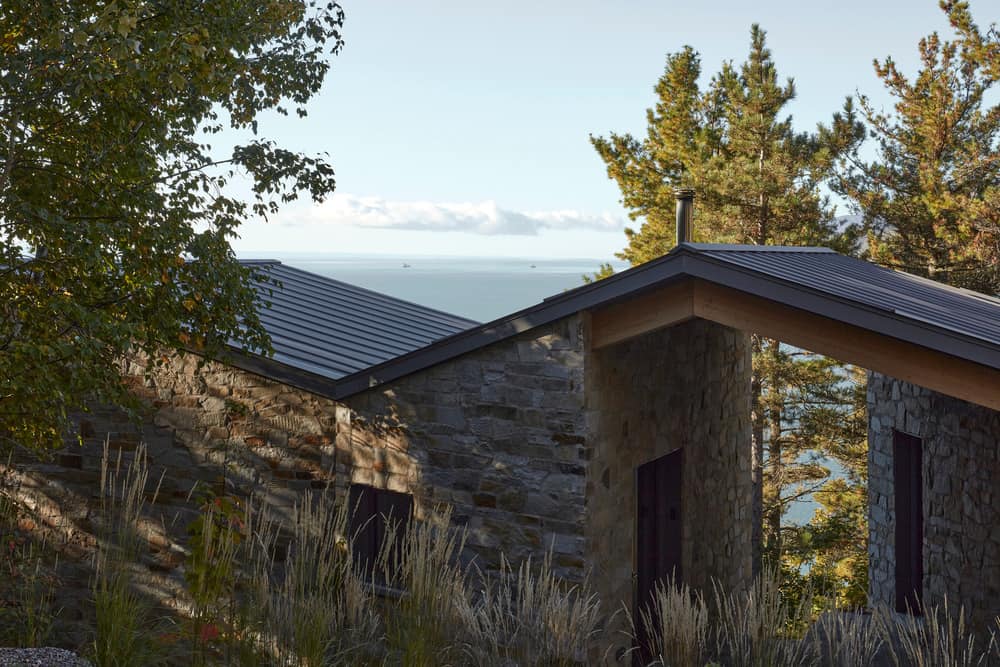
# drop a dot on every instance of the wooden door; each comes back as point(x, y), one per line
point(659, 522)
point(907, 463)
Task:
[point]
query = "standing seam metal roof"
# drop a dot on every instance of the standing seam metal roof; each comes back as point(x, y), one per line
point(336, 339)
point(958, 310)
point(332, 329)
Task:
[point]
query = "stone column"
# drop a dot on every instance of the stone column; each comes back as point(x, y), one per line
point(686, 386)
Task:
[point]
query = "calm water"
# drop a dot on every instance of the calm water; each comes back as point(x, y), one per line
point(481, 289)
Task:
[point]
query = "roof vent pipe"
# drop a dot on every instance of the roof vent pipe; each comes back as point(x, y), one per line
point(685, 209)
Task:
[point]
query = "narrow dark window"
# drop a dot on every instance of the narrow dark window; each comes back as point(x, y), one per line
point(371, 511)
point(907, 458)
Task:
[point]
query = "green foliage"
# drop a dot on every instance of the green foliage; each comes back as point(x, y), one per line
point(125, 623)
point(210, 571)
point(605, 271)
point(757, 182)
point(214, 536)
point(27, 593)
point(830, 552)
point(116, 211)
point(931, 195)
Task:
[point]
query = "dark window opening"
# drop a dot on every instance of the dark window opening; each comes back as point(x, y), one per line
point(659, 535)
point(372, 510)
point(908, 482)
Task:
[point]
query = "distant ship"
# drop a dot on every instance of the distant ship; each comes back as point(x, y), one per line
point(406, 266)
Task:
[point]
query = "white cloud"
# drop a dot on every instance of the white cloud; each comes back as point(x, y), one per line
point(477, 218)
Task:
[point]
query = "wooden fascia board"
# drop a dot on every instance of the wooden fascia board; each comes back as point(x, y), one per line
point(687, 299)
point(659, 308)
point(846, 342)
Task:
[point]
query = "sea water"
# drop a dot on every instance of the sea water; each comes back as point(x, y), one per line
point(478, 288)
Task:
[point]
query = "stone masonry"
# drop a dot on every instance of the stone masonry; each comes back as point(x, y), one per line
point(532, 443)
point(498, 435)
point(687, 386)
point(961, 475)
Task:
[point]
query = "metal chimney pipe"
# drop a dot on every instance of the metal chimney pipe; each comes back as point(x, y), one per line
point(685, 209)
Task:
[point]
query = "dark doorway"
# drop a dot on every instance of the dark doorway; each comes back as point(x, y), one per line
point(658, 533)
point(907, 462)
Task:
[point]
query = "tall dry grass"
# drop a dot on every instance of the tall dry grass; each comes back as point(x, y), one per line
point(125, 624)
point(846, 638)
point(937, 638)
point(27, 581)
point(297, 597)
point(527, 616)
point(423, 615)
point(304, 603)
point(677, 625)
point(757, 627)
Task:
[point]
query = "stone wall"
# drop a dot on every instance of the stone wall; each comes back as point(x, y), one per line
point(497, 435)
point(961, 475)
point(210, 430)
point(686, 386)
point(508, 437)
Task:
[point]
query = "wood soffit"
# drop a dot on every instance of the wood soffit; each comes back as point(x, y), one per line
point(847, 342)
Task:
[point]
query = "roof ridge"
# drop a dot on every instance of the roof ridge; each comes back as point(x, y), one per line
point(739, 247)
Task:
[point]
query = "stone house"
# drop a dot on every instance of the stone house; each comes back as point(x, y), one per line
point(610, 423)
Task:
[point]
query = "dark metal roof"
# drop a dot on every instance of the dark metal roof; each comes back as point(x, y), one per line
point(957, 322)
point(961, 311)
point(332, 329)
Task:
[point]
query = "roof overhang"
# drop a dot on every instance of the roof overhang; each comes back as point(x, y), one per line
point(691, 282)
point(697, 298)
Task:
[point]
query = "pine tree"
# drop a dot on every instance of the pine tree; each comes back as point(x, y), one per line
point(757, 182)
point(832, 548)
point(931, 196)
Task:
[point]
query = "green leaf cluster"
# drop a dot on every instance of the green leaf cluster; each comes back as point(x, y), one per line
point(757, 181)
point(116, 212)
point(931, 195)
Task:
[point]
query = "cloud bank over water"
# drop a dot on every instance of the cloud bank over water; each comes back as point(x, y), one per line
point(485, 218)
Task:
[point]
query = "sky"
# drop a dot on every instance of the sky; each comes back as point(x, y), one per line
point(462, 127)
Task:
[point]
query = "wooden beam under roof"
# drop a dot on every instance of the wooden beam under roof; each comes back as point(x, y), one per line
point(840, 340)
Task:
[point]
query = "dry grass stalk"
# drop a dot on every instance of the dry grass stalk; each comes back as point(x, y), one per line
point(676, 625)
point(309, 608)
point(757, 628)
point(846, 638)
point(125, 624)
point(936, 639)
point(422, 564)
point(529, 618)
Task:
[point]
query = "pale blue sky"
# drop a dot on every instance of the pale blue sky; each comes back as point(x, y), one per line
point(462, 127)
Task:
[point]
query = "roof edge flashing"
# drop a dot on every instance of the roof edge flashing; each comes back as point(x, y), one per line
point(737, 247)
